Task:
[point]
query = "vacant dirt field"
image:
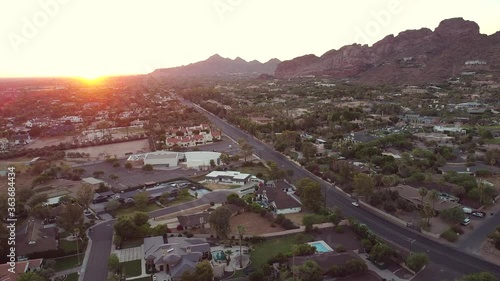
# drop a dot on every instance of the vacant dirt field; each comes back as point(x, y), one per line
point(43, 142)
point(118, 149)
point(215, 186)
point(254, 224)
point(184, 212)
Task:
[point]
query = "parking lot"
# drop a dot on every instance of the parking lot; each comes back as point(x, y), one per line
point(135, 177)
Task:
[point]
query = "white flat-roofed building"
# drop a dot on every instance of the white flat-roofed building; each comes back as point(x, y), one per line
point(195, 159)
point(229, 177)
point(169, 159)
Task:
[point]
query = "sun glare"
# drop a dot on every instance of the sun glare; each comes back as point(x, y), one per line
point(90, 79)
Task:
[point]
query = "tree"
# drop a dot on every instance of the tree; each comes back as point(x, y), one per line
point(38, 199)
point(24, 194)
point(246, 148)
point(275, 173)
point(114, 263)
point(84, 195)
point(128, 166)
point(112, 205)
point(422, 192)
point(364, 185)
point(202, 272)
point(241, 232)
point(219, 220)
point(140, 218)
point(147, 168)
point(417, 261)
point(212, 163)
point(98, 174)
point(126, 228)
point(428, 212)
point(433, 197)
point(66, 199)
point(113, 177)
point(71, 216)
point(141, 199)
point(453, 215)
point(381, 253)
point(480, 276)
point(388, 181)
point(310, 193)
point(30, 276)
point(309, 271)
point(309, 150)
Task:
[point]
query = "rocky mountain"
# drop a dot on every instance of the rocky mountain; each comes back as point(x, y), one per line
point(217, 65)
point(412, 57)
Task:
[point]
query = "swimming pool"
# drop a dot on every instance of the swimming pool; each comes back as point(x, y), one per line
point(321, 246)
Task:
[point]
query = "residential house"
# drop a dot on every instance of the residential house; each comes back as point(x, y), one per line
point(437, 137)
point(194, 220)
point(172, 256)
point(449, 129)
point(22, 139)
point(412, 195)
point(278, 200)
point(4, 144)
point(34, 237)
point(416, 119)
point(414, 90)
point(359, 137)
point(8, 274)
point(462, 168)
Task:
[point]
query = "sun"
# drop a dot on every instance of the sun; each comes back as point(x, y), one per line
point(90, 78)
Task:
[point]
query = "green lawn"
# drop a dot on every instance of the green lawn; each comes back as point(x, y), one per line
point(493, 141)
point(72, 277)
point(70, 246)
point(67, 262)
point(132, 268)
point(254, 170)
point(132, 243)
point(267, 249)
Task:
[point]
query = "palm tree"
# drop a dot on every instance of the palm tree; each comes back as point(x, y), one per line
point(433, 196)
point(423, 192)
point(228, 255)
point(428, 213)
point(388, 181)
point(241, 231)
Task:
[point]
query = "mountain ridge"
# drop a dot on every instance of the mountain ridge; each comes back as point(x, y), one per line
point(411, 57)
point(218, 65)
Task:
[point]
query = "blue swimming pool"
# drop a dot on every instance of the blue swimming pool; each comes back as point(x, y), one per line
point(321, 246)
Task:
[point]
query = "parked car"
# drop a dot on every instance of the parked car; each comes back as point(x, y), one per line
point(354, 203)
point(99, 199)
point(466, 221)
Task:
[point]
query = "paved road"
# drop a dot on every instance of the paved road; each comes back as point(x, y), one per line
point(452, 258)
point(472, 242)
point(102, 235)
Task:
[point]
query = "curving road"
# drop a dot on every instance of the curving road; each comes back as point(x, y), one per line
point(95, 265)
point(445, 256)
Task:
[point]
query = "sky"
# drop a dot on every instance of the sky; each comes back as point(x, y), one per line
point(91, 38)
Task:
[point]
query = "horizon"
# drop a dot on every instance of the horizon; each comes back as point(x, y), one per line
point(55, 38)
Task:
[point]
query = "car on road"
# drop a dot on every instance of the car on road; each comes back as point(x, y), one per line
point(478, 214)
point(355, 203)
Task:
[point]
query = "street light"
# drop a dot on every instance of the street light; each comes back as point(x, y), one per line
point(411, 243)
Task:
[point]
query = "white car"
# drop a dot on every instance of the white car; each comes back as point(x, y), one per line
point(354, 203)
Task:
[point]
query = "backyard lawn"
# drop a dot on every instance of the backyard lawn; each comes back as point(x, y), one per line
point(132, 268)
point(67, 262)
point(267, 249)
point(70, 246)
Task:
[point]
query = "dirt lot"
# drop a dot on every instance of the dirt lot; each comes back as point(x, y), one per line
point(118, 149)
point(490, 253)
point(254, 224)
point(43, 142)
point(215, 186)
point(297, 217)
point(183, 213)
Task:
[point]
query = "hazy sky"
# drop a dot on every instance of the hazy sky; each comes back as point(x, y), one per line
point(108, 37)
